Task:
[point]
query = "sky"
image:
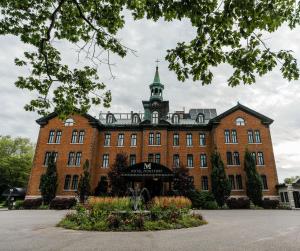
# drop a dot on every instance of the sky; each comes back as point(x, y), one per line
point(271, 95)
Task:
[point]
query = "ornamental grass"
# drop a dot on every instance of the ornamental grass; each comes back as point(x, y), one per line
point(110, 203)
point(179, 202)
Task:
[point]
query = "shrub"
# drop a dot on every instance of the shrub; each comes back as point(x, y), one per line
point(138, 221)
point(203, 199)
point(114, 221)
point(32, 203)
point(62, 203)
point(177, 201)
point(270, 204)
point(240, 203)
point(19, 204)
point(110, 203)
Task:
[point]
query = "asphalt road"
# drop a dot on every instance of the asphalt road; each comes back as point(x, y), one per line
point(227, 230)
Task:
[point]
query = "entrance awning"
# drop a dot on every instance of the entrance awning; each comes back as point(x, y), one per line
point(147, 169)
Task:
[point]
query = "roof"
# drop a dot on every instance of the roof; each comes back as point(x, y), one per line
point(17, 192)
point(264, 119)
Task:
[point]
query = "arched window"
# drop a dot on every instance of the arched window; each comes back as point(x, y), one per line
point(135, 119)
point(155, 117)
point(240, 122)
point(200, 118)
point(67, 182)
point(69, 122)
point(176, 119)
point(109, 119)
point(75, 182)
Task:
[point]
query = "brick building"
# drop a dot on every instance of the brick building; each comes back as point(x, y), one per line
point(156, 141)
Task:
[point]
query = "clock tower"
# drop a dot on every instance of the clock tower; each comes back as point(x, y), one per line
point(156, 109)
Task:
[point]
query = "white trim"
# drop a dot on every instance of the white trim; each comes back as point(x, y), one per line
point(231, 143)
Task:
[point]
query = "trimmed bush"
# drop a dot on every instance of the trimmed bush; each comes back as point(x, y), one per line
point(19, 204)
point(270, 204)
point(203, 200)
point(32, 203)
point(62, 203)
point(240, 203)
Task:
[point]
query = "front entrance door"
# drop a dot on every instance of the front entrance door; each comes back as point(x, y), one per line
point(296, 199)
point(154, 187)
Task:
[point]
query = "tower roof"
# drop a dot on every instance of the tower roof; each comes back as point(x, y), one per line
point(156, 77)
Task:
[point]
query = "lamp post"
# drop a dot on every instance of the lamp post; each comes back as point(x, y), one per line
point(10, 199)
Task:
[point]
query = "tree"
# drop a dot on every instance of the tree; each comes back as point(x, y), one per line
point(220, 184)
point(84, 186)
point(226, 31)
point(291, 179)
point(183, 182)
point(48, 183)
point(118, 183)
point(102, 187)
point(16, 156)
point(253, 181)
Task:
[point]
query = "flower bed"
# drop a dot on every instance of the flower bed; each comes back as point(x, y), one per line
point(116, 214)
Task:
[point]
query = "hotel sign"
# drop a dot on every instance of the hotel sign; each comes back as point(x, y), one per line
point(147, 169)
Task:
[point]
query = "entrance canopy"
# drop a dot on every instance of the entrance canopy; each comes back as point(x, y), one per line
point(148, 169)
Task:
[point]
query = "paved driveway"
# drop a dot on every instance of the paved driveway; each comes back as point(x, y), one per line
point(227, 230)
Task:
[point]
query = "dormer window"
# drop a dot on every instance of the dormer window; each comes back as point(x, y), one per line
point(135, 119)
point(69, 122)
point(109, 119)
point(240, 122)
point(176, 119)
point(155, 117)
point(200, 118)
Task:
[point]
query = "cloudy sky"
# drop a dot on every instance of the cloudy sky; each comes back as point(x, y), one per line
point(271, 95)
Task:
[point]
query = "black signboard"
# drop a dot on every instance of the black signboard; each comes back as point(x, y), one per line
point(147, 169)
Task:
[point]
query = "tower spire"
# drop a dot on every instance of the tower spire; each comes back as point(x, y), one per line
point(156, 87)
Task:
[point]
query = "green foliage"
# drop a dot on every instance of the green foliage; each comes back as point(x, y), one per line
point(291, 179)
point(84, 186)
point(253, 181)
point(183, 182)
point(48, 184)
point(203, 200)
point(220, 183)
point(225, 32)
point(16, 156)
point(117, 182)
point(102, 187)
point(19, 204)
point(110, 203)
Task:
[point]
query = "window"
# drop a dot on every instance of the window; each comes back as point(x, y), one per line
point(150, 157)
point(236, 158)
point(71, 159)
point(233, 136)
point(158, 138)
point(74, 137)
point(229, 158)
point(133, 140)
point(75, 182)
point(260, 159)
point(132, 159)
point(239, 182)
point(135, 119)
point(257, 136)
point(240, 122)
point(121, 139)
point(254, 156)
point(250, 137)
point(282, 197)
point(58, 137)
point(78, 159)
point(51, 137)
point(46, 159)
point(204, 182)
point(105, 161)
point(202, 139)
point(67, 182)
point(157, 158)
point(227, 136)
point(107, 139)
point(109, 119)
point(189, 139)
point(151, 138)
point(69, 122)
point(203, 160)
point(81, 137)
point(190, 160)
point(176, 119)
point(286, 196)
point(232, 182)
point(176, 160)
point(155, 118)
point(200, 118)
point(175, 139)
point(264, 182)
